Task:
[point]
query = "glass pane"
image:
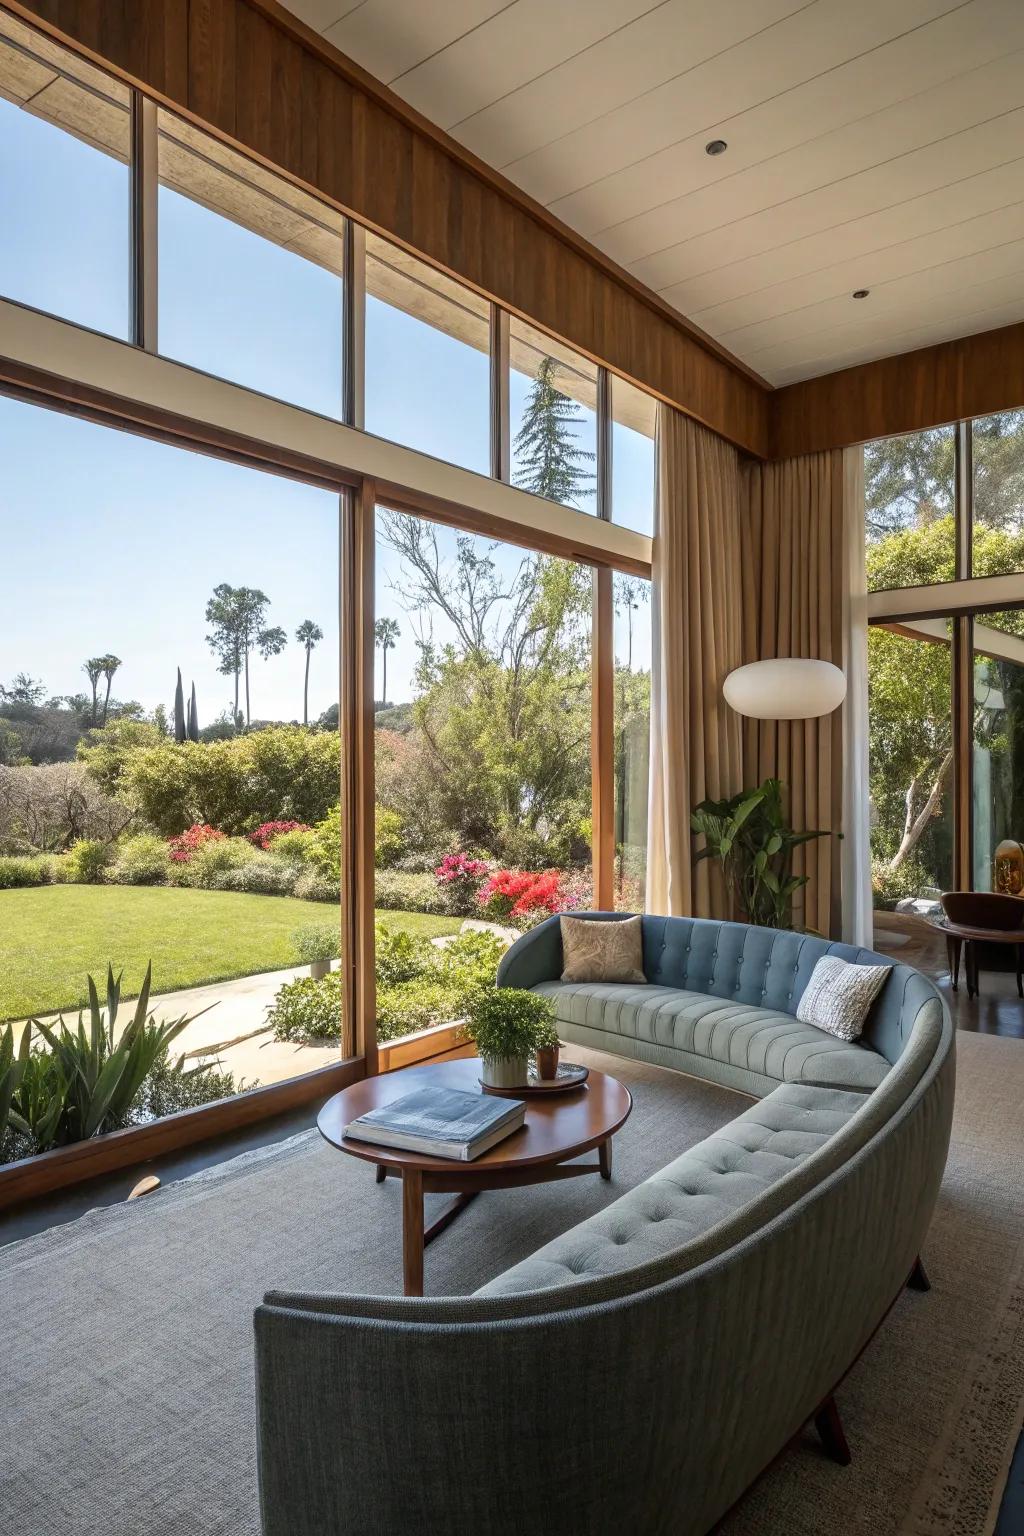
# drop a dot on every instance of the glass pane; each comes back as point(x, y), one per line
point(999, 751)
point(483, 756)
point(121, 844)
point(909, 496)
point(553, 397)
point(910, 771)
point(632, 738)
point(250, 272)
point(997, 537)
point(634, 421)
point(65, 193)
point(427, 359)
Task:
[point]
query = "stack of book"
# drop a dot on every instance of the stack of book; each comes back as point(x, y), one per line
point(440, 1122)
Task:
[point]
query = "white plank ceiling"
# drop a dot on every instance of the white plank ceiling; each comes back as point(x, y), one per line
point(872, 144)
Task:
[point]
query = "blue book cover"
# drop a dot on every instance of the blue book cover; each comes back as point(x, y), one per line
point(444, 1122)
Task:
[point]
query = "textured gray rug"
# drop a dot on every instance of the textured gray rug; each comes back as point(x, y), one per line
point(127, 1334)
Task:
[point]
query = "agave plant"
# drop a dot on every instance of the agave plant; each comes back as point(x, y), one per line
point(12, 1070)
point(97, 1073)
point(754, 844)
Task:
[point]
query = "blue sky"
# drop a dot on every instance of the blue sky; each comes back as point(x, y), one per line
point(114, 543)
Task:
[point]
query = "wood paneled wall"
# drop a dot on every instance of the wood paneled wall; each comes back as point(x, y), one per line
point(253, 72)
point(972, 376)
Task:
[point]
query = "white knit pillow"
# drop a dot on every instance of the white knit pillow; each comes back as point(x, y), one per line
point(839, 995)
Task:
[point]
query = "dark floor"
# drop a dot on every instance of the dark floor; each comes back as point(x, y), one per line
point(998, 1010)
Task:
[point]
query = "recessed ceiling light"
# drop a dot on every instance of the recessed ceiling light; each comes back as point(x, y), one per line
point(861, 293)
point(716, 147)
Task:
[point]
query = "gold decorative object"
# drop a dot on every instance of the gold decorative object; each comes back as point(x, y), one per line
point(1008, 868)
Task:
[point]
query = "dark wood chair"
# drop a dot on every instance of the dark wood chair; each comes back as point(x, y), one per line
point(974, 918)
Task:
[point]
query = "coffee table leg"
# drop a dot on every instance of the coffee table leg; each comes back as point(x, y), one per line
point(412, 1230)
point(382, 1173)
point(604, 1154)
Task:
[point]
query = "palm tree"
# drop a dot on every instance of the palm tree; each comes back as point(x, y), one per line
point(386, 633)
point(93, 669)
point(307, 634)
point(108, 665)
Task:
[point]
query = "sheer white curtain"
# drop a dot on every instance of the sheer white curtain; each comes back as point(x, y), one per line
point(856, 856)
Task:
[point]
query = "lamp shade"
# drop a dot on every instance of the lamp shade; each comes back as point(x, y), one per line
point(785, 688)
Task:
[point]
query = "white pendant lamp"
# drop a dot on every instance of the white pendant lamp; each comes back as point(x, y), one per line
point(785, 688)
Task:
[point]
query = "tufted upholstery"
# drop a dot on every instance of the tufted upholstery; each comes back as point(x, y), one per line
point(771, 1047)
point(704, 1187)
point(667, 1348)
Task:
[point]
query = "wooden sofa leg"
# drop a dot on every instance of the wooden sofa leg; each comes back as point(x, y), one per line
point(830, 1428)
point(918, 1280)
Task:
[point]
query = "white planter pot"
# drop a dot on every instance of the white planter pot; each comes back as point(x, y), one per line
point(504, 1071)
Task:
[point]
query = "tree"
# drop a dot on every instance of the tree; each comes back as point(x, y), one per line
point(631, 593)
point(180, 731)
point(237, 615)
point(108, 666)
point(551, 462)
point(308, 634)
point(24, 689)
point(498, 757)
point(192, 728)
point(386, 633)
point(93, 669)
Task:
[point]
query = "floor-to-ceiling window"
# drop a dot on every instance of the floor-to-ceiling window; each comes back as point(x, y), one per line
point(944, 520)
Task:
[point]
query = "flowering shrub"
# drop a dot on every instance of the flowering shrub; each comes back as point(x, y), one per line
point(520, 893)
point(459, 878)
point(180, 849)
point(261, 838)
point(527, 896)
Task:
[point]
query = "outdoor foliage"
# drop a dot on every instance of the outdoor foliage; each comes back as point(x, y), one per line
point(317, 941)
point(89, 1079)
point(86, 861)
point(418, 984)
point(46, 809)
point(21, 872)
point(280, 773)
point(141, 860)
point(265, 834)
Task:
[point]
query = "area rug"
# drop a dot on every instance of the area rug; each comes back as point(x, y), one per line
point(128, 1388)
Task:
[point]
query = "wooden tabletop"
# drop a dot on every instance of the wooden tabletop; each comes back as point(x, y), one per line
point(558, 1126)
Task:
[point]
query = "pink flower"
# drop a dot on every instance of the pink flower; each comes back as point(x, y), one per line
point(182, 848)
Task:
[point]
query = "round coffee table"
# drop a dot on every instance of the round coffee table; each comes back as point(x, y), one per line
point(558, 1127)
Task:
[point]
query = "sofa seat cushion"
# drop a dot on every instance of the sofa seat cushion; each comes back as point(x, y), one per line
point(705, 1186)
point(758, 1040)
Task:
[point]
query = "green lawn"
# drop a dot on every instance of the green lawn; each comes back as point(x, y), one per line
point(51, 937)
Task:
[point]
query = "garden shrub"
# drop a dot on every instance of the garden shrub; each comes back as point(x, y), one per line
point(213, 859)
point(388, 837)
point(313, 886)
point(307, 1010)
point(168, 1088)
point(889, 886)
point(265, 876)
point(140, 860)
point(265, 834)
point(323, 852)
point(87, 861)
point(278, 773)
point(400, 892)
point(418, 984)
point(459, 879)
point(15, 872)
point(181, 849)
point(317, 942)
point(293, 846)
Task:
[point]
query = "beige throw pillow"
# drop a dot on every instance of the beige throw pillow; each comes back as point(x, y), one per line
point(595, 951)
point(839, 995)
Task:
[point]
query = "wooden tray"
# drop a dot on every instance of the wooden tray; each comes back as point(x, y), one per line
point(570, 1076)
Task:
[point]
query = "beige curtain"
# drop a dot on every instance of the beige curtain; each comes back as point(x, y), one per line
point(748, 564)
point(794, 605)
point(697, 641)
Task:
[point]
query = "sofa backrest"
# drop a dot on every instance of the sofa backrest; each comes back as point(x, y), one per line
point(766, 967)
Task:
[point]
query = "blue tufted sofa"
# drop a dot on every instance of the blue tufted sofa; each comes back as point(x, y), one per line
point(639, 1371)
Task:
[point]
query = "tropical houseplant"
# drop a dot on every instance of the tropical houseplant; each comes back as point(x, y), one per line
point(753, 842)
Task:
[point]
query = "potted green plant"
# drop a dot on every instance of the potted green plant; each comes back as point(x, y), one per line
point(547, 1048)
point(754, 843)
point(317, 945)
point(506, 1023)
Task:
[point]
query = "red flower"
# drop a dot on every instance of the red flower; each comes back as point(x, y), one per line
point(183, 847)
point(270, 829)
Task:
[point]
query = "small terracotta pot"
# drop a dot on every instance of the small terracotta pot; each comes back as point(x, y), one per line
point(547, 1062)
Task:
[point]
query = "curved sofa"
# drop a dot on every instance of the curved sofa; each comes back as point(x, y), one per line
point(641, 1370)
